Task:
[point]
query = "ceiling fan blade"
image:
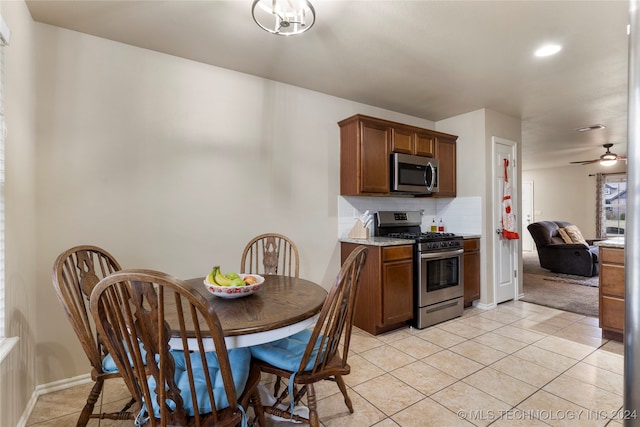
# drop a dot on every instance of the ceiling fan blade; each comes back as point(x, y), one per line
point(586, 162)
point(607, 156)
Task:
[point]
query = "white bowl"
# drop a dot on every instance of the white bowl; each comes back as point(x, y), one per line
point(235, 291)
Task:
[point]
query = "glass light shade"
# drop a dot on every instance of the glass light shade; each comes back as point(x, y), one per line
point(608, 159)
point(283, 17)
point(548, 50)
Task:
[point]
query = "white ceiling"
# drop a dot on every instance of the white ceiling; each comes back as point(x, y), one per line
point(430, 59)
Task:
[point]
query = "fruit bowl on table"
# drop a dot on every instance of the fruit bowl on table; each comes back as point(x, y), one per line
point(235, 291)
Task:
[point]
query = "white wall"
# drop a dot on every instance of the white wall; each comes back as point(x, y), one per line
point(17, 372)
point(174, 165)
point(470, 150)
point(475, 130)
point(568, 194)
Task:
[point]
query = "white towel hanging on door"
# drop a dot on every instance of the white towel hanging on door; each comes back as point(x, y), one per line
point(508, 218)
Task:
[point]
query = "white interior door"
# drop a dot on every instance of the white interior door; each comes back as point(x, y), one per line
point(527, 215)
point(505, 250)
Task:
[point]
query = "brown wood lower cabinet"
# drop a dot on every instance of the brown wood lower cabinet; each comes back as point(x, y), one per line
point(471, 271)
point(611, 292)
point(385, 298)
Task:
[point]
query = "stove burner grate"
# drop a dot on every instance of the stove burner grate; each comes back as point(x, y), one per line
point(422, 236)
point(404, 235)
point(433, 235)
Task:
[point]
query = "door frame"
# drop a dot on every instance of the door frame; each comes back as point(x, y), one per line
point(527, 240)
point(497, 213)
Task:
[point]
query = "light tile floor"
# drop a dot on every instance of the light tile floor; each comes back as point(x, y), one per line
point(519, 364)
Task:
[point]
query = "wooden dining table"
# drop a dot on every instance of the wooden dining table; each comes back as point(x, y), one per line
point(281, 307)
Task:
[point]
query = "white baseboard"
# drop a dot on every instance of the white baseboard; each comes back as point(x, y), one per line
point(484, 306)
point(50, 388)
point(22, 422)
point(62, 384)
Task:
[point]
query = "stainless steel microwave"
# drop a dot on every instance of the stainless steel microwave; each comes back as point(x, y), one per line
point(413, 174)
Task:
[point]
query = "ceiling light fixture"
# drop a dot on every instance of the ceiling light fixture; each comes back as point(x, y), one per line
point(608, 158)
point(592, 127)
point(608, 162)
point(548, 50)
point(283, 17)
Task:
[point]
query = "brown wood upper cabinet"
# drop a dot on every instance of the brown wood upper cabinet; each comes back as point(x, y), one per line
point(411, 142)
point(445, 148)
point(364, 157)
point(366, 144)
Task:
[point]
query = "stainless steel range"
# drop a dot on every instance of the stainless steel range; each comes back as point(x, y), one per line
point(438, 266)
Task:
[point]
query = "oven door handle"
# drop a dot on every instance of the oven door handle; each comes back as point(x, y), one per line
point(441, 254)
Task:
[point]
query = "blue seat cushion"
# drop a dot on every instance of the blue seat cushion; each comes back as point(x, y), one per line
point(287, 353)
point(108, 365)
point(240, 359)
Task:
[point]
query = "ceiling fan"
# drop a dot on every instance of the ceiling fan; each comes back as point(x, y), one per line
point(607, 159)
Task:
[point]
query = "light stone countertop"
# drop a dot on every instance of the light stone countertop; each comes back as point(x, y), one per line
point(469, 236)
point(615, 242)
point(390, 241)
point(378, 241)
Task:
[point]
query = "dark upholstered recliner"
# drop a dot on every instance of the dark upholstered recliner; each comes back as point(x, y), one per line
point(560, 257)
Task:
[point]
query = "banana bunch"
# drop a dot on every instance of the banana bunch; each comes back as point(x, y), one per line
point(230, 279)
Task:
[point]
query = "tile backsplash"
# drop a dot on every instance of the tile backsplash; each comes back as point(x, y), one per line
point(462, 215)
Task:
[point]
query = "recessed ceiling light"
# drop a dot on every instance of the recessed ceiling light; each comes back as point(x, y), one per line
point(592, 127)
point(548, 50)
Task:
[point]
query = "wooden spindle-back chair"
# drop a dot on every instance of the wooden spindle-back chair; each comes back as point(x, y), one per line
point(75, 273)
point(319, 354)
point(138, 312)
point(271, 253)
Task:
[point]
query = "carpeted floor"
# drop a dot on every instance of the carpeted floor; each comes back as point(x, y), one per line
point(562, 291)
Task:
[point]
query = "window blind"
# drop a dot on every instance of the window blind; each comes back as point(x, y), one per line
point(3, 134)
